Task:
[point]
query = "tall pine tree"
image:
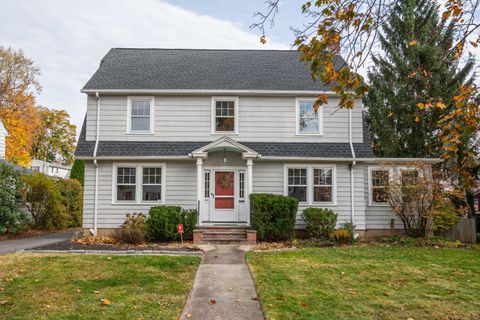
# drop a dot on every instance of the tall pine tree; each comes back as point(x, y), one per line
point(416, 65)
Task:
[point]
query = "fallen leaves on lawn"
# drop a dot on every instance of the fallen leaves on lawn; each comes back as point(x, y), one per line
point(8, 279)
point(96, 292)
point(386, 294)
point(105, 302)
point(96, 240)
point(212, 301)
point(189, 315)
point(255, 298)
point(78, 290)
point(2, 289)
point(3, 302)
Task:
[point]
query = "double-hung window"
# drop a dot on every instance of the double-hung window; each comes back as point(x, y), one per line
point(225, 115)
point(140, 115)
point(297, 183)
point(311, 184)
point(152, 184)
point(126, 183)
point(138, 183)
point(379, 179)
point(322, 185)
point(308, 120)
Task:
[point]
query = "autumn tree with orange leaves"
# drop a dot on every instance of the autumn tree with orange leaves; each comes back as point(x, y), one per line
point(18, 85)
point(350, 28)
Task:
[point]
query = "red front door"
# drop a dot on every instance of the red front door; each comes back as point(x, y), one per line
point(224, 190)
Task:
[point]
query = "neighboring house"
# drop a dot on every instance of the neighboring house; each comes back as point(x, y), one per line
point(3, 136)
point(51, 169)
point(206, 128)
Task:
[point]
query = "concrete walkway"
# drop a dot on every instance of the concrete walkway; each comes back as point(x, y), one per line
point(223, 288)
point(10, 246)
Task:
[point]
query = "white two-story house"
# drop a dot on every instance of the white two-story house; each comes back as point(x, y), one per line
point(206, 128)
point(3, 137)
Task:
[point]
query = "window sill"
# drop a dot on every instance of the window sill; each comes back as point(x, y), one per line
point(224, 133)
point(140, 133)
point(309, 134)
point(136, 203)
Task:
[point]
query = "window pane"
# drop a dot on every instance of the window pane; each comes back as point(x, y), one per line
point(298, 192)
point(152, 175)
point(308, 125)
point(297, 176)
point(409, 176)
point(322, 177)
point(241, 190)
point(140, 124)
point(379, 178)
point(152, 193)
point(307, 110)
point(126, 175)
point(126, 193)
point(225, 124)
point(140, 107)
point(207, 184)
point(379, 195)
point(322, 194)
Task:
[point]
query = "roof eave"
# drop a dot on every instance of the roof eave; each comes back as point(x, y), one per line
point(208, 92)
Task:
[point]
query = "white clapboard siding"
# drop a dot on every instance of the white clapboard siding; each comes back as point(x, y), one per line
point(188, 118)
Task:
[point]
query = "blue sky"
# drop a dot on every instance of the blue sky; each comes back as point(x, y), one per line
point(68, 38)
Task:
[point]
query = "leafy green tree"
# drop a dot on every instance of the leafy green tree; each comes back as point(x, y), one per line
point(54, 139)
point(78, 171)
point(12, 218)
point(416, 65)
point(72, 199)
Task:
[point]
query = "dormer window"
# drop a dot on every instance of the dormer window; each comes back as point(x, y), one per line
point(309, 121)
point(140, 115)
point(224, 115)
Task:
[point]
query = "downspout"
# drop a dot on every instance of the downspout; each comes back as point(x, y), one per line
point(352, 166)
point(97, 139)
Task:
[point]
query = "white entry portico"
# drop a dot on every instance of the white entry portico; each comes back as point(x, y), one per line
point(224, 182)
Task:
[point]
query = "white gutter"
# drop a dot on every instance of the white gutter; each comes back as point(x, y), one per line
point(352, 182)
point(97, 139)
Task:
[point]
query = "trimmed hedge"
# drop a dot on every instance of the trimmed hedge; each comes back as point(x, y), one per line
point(161, 223)
point(273, 216)
point(320, 222)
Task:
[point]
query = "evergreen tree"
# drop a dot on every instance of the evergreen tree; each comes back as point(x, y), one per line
point(416, 65)
point(78, 171)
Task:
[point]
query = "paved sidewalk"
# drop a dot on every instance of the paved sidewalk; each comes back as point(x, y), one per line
point(9, 246)
point(223, 288)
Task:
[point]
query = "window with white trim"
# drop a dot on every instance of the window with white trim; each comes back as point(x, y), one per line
point(207, 184)
point(241, 185)
point(322, 185)
point(138, 183)
point(409, 176)
point(297, 183)
point(140, 115)
point(126, 183)
point(224, 115)
point(379, 185)
point(308, 120)
point(152, 184)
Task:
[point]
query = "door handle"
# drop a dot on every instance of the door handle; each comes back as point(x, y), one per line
point(213, 195)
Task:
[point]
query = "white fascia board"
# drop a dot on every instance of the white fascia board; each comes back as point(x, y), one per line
point(207, 92)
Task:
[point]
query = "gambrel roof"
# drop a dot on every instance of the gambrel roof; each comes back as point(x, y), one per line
point(204, 69)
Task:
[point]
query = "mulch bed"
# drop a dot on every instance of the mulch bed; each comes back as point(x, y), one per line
point(71, 245)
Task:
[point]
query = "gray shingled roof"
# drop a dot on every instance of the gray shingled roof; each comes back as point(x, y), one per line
point(165, 69)
point(168, 148)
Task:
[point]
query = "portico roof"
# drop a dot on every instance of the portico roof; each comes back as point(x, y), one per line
point(225, 143)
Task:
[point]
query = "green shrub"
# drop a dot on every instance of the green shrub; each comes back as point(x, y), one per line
point(72, 199)
point(132, 231)
point(273, 216)
point(12, 217)
point(161, 223)
point(320, 222)
point(444, 218)
point(45, 202)
point(341, 236)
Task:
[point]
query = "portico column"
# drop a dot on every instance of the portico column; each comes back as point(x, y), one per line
point(249, 185)
point(199, 189)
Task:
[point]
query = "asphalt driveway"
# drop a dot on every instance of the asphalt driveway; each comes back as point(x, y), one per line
point(10, 246)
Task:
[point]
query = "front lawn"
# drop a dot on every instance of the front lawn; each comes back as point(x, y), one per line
point(368, 283)
point(73, 286)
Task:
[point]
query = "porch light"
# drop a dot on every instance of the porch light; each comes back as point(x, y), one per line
point(224, 155)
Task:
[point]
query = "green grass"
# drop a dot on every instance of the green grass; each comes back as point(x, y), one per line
point(72, 286)
point(368, 283)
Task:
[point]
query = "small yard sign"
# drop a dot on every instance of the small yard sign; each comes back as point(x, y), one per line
point(180, 231)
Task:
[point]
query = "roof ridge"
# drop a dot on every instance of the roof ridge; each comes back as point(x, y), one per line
point(205, 49)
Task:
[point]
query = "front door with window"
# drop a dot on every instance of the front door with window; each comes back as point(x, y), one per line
point(224, 196)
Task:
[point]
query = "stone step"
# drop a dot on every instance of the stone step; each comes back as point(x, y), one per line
point(224, 235)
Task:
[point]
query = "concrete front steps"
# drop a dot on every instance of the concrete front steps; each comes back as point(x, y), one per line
point(224, 235)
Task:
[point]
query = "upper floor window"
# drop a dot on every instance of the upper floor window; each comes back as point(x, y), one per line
point(224, 115)
point(140, 115)
point(308, 120)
